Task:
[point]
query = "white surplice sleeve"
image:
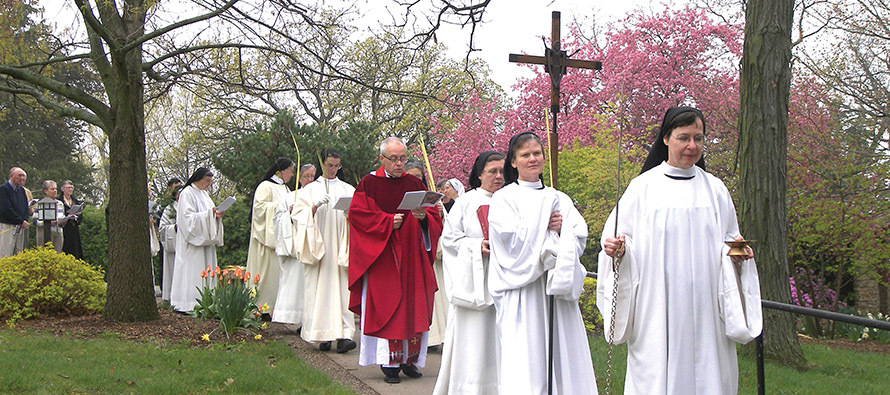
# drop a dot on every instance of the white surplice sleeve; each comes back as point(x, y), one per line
point(517, 231)
point(307, 234)
point(739, 287)
point(198, 224)
point(167, 228)
point(628, 278)
point(342, 226)
point(565, 279)
point(462, 260)
point(265, 205)
point(284, 230)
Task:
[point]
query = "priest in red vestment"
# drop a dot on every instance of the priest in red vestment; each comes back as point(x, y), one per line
point(391, 278)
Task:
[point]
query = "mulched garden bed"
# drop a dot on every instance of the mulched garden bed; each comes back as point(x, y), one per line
point(870, 346)
point(171, 327)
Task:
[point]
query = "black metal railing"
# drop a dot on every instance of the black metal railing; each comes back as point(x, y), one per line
point(794, 309)
point(829, 315)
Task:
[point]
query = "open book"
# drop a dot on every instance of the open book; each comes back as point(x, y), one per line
point(225, 204)
point(415, 199)
point(343, 203)
point(75, 209)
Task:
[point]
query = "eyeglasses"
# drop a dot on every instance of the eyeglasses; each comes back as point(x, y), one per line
point(332, 166)
point(396, 159)
point(699, 139)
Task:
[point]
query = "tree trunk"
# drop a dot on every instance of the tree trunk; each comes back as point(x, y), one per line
point(763, 122)
point(130, 294)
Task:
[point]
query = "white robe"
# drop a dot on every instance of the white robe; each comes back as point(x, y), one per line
point(375, 350)
point(167, 233)
point(522, 251)
point(439, 324)
point(326, 304)
point(261, 258)
point(679, 306)
point(469, 357)
point(199, 233)
point(289, 228)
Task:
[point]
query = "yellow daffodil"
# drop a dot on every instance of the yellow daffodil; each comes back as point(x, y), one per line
point(265, 307)
point(258, 337)
point(263, 326)
point(205, 337)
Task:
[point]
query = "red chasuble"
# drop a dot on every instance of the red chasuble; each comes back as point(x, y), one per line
point(401, 281)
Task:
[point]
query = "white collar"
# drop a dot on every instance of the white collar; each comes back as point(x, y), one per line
point(676, 172)
point(277, 179)
point(538, 184)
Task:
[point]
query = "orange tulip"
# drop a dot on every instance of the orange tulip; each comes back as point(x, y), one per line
point(209, 269)
point(238, 272)
point(216, 270)
point(203, 274)
point(230, 281)
point(256, 280)
point(212, 274)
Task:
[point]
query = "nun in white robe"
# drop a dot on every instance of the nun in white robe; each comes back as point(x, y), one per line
point(529, 261)
point(167, 233)
point(199, 232)
point(469, 362)
point(682, 303)
point(440, 301)
point(261, 257)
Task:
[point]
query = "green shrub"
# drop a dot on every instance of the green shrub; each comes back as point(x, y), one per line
point(94, 237)
point(41, 281)
point(236, 238)
point(593, 321)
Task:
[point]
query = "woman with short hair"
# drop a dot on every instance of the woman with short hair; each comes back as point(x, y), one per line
point(61, 219)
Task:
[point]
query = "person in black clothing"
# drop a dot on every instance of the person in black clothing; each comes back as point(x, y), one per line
point(71, 242)
point(13, 213)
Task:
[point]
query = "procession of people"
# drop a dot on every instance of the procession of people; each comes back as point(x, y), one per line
point(492, 273)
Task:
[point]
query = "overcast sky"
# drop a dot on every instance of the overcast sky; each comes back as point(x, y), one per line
point(517, 27)
point(510, 26)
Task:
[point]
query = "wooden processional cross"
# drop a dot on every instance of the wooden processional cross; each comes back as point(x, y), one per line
point(555, 63)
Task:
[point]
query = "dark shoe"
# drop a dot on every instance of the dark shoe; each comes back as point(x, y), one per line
point(344, 345)
point(411, 371)
point(392, 375)
point(326, 346)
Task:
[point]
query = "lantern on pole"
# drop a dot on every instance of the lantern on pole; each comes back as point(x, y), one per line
point(46, 212)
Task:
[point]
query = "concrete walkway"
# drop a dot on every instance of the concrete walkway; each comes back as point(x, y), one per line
point(370, 376)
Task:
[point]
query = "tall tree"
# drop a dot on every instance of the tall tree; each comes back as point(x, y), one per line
point(119, 34)
point(763, 127)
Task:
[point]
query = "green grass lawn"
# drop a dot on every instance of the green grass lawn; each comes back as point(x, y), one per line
point(42, 363)
point(831, 371)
